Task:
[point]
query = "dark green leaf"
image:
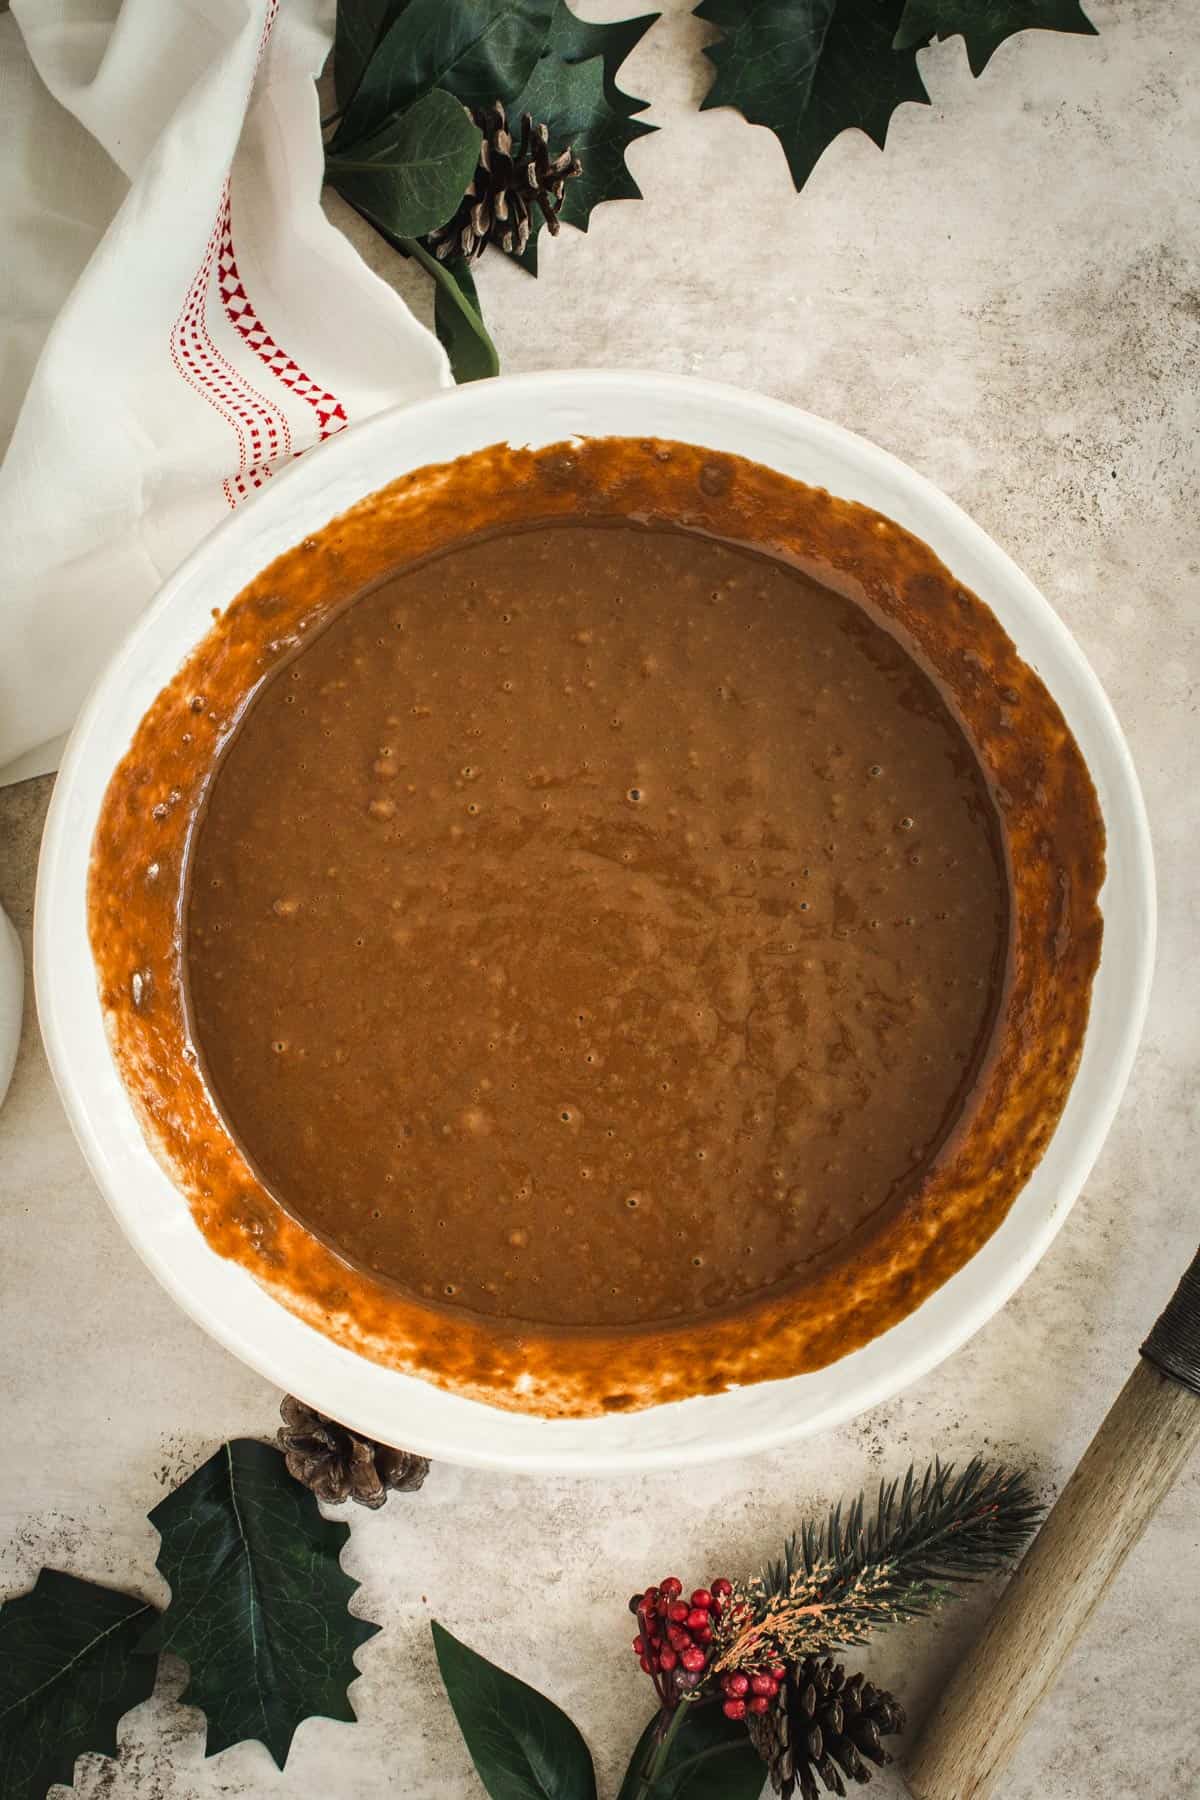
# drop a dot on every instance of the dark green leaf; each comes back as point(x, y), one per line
point(258, 1599)
point(457, 316)
point(726, 14)
point(361, 25)
point(412, 173)
point(810, 69)
point(478, 50)
point(69, 1668)
point(571, 99)
point(573, 39)
point(984, 24)
point(711, 1758)
point(524, 1747)
point(458, 320)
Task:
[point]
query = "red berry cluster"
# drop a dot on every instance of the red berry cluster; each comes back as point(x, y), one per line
point(745, 1693)
point(674, 1641)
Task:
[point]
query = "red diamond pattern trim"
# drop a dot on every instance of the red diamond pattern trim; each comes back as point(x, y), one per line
point(250, 415)
point(260, 425)
point(239, 310)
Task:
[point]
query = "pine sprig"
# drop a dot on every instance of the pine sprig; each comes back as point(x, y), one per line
point(837, 1583)
point(942, 1529)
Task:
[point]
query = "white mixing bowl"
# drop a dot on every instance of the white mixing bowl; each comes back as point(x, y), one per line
point(536, 410)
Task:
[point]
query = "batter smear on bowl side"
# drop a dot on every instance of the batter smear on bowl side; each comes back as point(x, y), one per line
point(596, 925)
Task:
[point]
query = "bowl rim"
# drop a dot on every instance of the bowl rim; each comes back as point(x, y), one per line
point(333, 1378)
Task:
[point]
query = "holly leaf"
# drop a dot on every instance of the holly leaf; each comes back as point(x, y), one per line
point(984, 24)
point(361, 24)
point(810, 69)
point(412, 173)
point(524, 1747)
point(69, 1668)
point(573, 40)
point(725, 14)
point(572, 100)
point(711, 1758)
point(258, 1599)
point(478, 50)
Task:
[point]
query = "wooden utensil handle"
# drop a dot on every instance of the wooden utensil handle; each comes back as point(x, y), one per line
point(1138, 1451)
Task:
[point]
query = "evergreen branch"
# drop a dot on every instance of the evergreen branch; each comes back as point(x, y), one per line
point(836, 1584)
point(943, 1529)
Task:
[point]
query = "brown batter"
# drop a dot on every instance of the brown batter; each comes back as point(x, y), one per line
point(781, 750)
point(595, 925)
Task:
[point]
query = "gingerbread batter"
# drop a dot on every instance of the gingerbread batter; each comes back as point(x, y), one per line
point(595, 925)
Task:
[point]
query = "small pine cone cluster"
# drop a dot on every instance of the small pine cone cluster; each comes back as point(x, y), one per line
point(514, 176)
point(336, 1464)
point(825, 1728)
point(675, 1636)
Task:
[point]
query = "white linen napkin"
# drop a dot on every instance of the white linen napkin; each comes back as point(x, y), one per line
point(178, 317)
point(177, 321)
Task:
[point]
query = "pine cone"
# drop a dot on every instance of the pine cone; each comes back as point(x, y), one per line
point(821, 1724)
point(508, 183)
point(337, 1465)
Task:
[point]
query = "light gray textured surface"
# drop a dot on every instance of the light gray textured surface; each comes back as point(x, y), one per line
point(1010, 300)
